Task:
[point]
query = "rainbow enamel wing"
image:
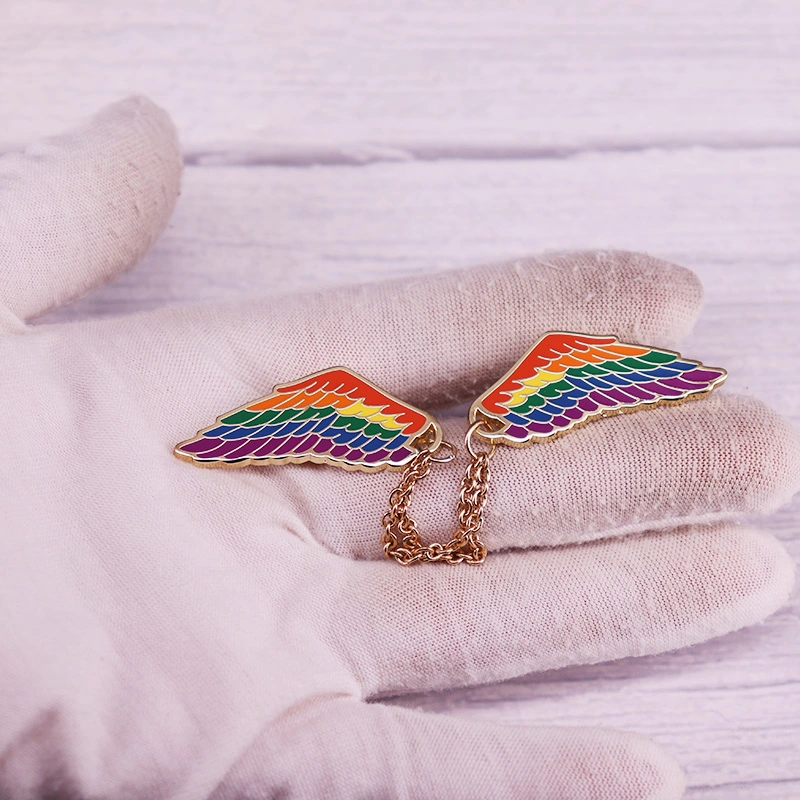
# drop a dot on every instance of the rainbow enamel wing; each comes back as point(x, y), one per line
point(337, 417)
point(331, 417)
point(568, 379)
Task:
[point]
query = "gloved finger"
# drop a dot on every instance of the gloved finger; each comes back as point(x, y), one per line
point(342, 748)
point(77, 209)
point(430, 340)
point(434, 626)
point(718, 457)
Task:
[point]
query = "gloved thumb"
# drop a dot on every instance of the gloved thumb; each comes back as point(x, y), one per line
point(78, 209)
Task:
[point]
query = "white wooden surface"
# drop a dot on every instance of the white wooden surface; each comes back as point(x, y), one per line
point(331, 141)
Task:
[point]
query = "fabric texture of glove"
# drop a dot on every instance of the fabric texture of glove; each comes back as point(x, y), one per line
point(171, 632)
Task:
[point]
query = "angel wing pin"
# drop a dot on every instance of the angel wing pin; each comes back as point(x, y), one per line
point(330, 417)
point(568, 379)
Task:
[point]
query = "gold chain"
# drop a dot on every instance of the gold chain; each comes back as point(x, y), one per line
point(401, 539)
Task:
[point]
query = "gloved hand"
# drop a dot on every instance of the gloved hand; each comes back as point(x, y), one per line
point(169, 632)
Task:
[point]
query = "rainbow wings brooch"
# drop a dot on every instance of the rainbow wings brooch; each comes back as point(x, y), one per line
point(568, 379)
point(337, 417)
point(331, 417)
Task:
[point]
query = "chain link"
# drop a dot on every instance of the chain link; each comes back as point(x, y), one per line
point(401, 539)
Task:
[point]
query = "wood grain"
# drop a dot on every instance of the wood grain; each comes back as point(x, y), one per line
point(282, 81)
point(340, 142)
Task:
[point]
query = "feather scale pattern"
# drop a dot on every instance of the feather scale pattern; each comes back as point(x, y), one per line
point(567, 379)
point(333, 417)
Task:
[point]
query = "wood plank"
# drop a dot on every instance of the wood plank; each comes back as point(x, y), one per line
point(287, 82)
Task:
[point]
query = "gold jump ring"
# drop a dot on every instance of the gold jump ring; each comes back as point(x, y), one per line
point(471, 431)
point(452, 451)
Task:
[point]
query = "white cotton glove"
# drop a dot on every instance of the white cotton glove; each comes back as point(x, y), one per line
point(172, 632)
